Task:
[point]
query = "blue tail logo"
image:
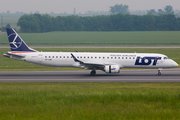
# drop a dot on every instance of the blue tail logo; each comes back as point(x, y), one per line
point(16, 43)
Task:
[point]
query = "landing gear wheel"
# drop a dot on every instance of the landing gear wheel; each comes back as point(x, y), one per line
point(93, 72)
point(159, 72)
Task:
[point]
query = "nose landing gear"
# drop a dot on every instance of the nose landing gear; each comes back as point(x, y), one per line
point(159, 71)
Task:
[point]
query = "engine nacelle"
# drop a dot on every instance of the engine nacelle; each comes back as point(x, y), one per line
point(112, 69)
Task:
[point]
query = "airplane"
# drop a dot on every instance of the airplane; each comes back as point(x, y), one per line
point(107, 62)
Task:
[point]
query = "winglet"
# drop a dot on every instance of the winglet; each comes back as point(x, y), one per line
point(16, 42)
point(75, 59)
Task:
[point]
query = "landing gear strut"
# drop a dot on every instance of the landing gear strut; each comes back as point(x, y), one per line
point(93, 72)
point(159, 71)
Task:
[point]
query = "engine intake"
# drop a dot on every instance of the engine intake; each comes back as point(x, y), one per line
point(112, 69)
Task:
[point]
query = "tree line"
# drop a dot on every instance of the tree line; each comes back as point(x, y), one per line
point(167, 10)
point(114, 22)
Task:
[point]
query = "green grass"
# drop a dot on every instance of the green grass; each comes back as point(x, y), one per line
point(90, 101)
point(7, 64)
point(99, 38)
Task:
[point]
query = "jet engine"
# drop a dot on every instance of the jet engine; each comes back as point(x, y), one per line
point(112, 69)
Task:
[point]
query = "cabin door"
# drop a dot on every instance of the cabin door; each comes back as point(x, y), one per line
point(40, 57)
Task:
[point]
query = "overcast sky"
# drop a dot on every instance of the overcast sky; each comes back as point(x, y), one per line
point(61, 6)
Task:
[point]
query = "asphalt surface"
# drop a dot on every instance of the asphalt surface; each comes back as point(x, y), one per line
point(99, 47)
point(168, 75)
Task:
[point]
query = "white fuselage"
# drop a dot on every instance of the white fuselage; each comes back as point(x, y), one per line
point(123, 60)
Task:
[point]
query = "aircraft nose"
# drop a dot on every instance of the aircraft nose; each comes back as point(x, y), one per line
point(175, 64)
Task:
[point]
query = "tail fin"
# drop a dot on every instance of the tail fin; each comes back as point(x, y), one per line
point(16, 43)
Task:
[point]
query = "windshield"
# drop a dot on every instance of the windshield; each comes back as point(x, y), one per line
point(165, 58)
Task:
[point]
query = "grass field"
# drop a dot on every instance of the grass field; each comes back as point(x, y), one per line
point(7, 64)
point(90, 101)
point(152, 38)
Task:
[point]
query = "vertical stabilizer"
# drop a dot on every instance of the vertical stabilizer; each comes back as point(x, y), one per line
point(16, 43)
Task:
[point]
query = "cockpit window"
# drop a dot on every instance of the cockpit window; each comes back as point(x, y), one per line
point(165, 58)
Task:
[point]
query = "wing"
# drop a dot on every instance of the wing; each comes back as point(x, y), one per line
point(89, 65)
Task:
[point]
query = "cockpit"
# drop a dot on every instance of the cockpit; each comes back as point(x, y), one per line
point(165, 58)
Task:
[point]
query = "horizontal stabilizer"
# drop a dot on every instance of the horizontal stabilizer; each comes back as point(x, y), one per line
point(10, 55)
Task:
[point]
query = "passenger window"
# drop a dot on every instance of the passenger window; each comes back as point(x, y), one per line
point(118, 57)
point(45, 56)
point(49, 56)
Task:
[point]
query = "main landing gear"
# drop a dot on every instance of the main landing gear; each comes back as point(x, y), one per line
point(159, 71)
point(93, 72)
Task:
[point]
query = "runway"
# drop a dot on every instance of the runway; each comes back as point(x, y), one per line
point(152, 47)
point(168, 75)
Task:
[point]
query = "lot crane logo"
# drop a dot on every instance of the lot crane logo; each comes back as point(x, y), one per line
point(15, 41)
point(147, 60)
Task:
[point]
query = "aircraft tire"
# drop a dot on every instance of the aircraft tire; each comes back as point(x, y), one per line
point(159, 73)
point(93, 72)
